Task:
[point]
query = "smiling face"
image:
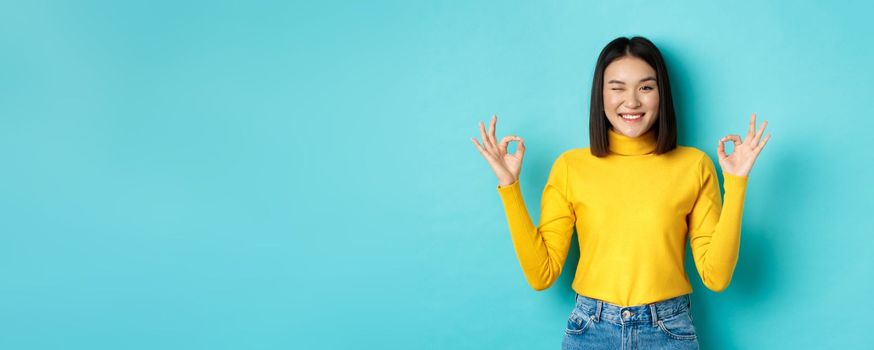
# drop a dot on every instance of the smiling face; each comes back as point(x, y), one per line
point(631, 96)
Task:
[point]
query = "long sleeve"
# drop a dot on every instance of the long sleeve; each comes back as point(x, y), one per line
point(714, 228)
point(541, 249)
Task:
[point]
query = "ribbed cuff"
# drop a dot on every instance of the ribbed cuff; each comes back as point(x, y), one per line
point(735, 182)
point(735, 189)
point(511, 194)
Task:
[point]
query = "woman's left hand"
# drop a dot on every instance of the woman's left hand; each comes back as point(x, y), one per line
point(741, 160)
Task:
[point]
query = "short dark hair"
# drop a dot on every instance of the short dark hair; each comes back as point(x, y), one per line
point(666, 126)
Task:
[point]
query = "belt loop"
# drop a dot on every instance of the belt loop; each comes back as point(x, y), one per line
point(655, 314)
point(598, 311)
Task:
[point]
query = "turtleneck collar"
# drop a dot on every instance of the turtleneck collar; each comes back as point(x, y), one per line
point(631, 146)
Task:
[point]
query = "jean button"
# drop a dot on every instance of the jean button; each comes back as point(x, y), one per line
point(627, 314)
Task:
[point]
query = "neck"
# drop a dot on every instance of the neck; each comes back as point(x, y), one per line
point(631, 146)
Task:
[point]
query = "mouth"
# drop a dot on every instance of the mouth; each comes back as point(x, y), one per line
point(631, 117)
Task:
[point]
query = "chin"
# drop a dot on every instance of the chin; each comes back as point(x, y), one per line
point(632, 130)
point(634, 133)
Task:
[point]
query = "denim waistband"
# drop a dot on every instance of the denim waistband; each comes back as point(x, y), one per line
point(647, 313)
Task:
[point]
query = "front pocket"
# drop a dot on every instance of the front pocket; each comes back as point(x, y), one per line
point(678, 327)
point(577, 323)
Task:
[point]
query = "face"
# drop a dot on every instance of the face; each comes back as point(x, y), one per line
point(631, 96)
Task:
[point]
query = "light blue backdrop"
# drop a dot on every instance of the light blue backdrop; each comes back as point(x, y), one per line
point(275, 175)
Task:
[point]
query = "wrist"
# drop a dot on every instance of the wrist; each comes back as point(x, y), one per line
point(506, 182)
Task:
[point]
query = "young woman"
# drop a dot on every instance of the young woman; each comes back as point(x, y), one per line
point(634, 197)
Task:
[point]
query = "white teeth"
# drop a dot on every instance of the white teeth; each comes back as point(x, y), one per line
point(631, 116)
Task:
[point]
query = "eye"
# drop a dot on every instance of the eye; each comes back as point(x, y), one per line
point(648, 88)
point(616, 89)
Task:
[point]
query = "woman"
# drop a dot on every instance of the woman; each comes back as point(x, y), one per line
point(634, 196)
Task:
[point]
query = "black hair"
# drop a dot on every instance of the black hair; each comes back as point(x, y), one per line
point(666, 125)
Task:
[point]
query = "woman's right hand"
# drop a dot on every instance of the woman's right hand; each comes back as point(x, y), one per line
point(506, 166)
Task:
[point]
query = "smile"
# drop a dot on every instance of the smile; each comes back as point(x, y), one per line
point(631, 117)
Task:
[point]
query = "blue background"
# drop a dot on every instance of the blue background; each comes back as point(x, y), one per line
point(274, 175)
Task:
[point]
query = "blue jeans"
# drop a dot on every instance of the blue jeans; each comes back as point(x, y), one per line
point(596, 324)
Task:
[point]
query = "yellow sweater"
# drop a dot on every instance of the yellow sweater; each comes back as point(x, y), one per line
point(632, 211)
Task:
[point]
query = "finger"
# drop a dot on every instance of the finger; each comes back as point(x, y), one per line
point(734, 138)
point(520, 149)
point(486, 154)
point(720, 149)
point(478, 147)
point(761, 146)
point(759, 134)
point(752, 129)
point(492, 127)
point(502, 147)
point(486, 144)
point(488, 157)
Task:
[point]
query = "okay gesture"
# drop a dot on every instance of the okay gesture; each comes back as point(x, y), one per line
point(741, 160)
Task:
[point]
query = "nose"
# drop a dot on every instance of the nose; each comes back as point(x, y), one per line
point(632, 101)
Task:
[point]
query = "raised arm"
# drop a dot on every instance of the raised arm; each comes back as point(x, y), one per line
point(714, 226)
point(541, 250)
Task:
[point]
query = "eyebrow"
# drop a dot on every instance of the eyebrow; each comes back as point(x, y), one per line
point(622, 82)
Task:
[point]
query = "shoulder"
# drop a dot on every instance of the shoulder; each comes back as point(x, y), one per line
point(691, 154)
point(576, 154)
point(575, 157)
point(702, 162)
